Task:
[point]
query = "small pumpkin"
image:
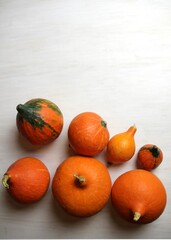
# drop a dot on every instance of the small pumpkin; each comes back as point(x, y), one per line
point(81, 186)
point(121, 147)
point(149, 157)
point(88, 134)
point(27, 180)
point(39, 120)
point(139, 196)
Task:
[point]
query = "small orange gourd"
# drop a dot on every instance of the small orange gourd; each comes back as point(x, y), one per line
point(81, 186)
point(139, 196)
point(149, 157)
point(121, 147)
point(27, 180)
point(39, 120)
point(88, 134)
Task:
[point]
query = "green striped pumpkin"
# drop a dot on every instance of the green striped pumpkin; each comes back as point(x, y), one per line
point(39, 120)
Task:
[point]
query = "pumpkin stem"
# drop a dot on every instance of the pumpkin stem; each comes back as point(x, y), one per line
point(22, 109)
point(103, 123)
point(155, 151)
point(137, 216)
point(132, 130)
point(80, 180)
point(5, 180)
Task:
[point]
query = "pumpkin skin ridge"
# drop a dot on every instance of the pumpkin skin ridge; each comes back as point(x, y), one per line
point(36, 103)
point(26, 131)
point(83, 129)
point(103, 135)
point(36, 121)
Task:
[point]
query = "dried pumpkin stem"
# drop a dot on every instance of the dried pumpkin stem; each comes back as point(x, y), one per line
point(5, 180)
point(80, 180)
point(137, 216)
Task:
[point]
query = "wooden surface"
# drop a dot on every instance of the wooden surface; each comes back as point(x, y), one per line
point(112, 57)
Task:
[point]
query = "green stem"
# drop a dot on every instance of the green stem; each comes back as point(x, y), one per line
point(155, 151)
point(103, 123)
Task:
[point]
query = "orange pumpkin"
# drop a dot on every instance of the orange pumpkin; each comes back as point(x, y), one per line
point(139, 196)
point(88, 134)
point(149, 157)
point(40, 121)
point(121, 147)
point(27, 180)
point(81, 186)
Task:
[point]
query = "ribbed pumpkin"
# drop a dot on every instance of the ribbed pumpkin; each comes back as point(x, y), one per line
point(88, 134)
point(39, 120)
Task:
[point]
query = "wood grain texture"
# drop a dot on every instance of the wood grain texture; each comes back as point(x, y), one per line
point(110, 57)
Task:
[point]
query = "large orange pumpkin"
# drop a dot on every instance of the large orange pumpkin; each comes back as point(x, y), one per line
point(88, 134)
point(139, 196)
point(27, 180)
point(81, 186)
point(40, 121)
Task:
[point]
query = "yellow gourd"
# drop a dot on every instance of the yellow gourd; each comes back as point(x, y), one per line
point(121, 147)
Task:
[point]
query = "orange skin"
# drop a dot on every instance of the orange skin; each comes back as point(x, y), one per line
point(40, 121)
point(27, 180)
point(121, 147)
point(139, 196)
point(88, 134)
point(149, 157)
point(81, 186)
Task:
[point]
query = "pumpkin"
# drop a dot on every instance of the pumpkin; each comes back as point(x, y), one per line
point(121, 147)
point(27, 180)
point(138, 196)
point(40, 121)
point(149, 157)
point(81, 186)
point(88, 134)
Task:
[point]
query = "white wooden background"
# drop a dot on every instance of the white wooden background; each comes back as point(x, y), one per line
point(112, 57)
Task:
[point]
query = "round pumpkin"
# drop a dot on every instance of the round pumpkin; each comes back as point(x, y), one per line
point(149, 157)
point(88, 134)
point(40, 121)
point(27, 180)
point(139, 196)
point(81, 186)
